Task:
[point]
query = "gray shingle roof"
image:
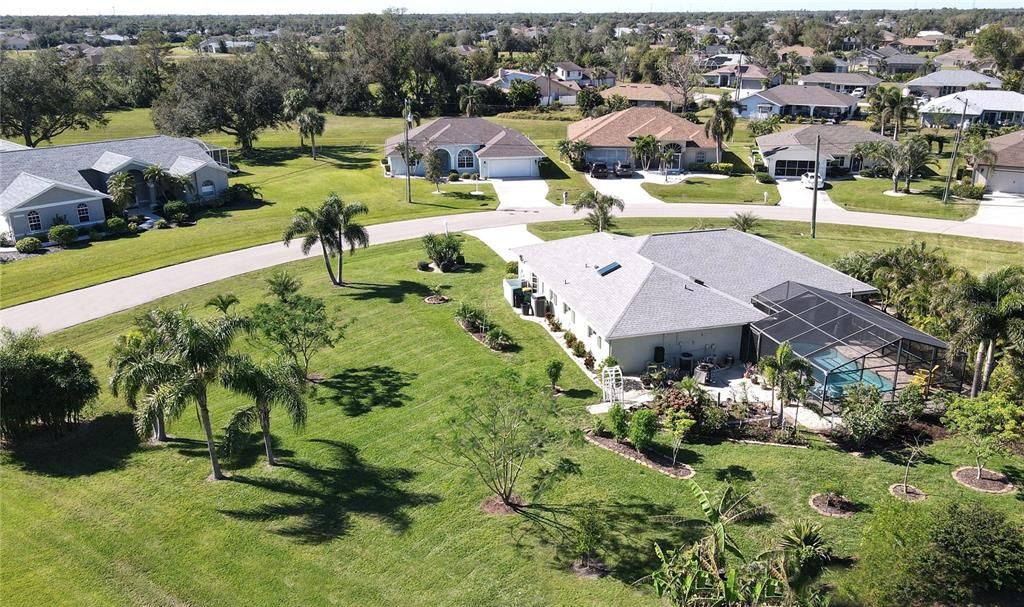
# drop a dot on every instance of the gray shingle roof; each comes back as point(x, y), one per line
point(672, 282)
point(65, 163)
point(835, 139)
point(794, 94)
point(956, 78)
point(498, 141)
point(847, 78)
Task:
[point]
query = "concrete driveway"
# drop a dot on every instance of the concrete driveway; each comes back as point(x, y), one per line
point(628, 190)
point(521, 193)
point(502, 240)
point(1000, 209)
point(793, 194)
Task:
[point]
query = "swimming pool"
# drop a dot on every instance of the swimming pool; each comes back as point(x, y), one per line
point(830, 358)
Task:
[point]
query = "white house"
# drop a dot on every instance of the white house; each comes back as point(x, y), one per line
point(790, 153)
point(987, 106)
point(468, 145)
point(798, 100)
point(947, 82)
point(666, 296)
point(551, 88)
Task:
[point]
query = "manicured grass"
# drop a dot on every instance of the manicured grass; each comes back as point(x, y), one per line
point(363, 513)
point(833, 240)
point(559, 175)
point(741, 189)
point(867, 195)
point(348, 164)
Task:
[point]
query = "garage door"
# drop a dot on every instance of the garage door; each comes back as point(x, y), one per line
point(512, 167)
point(1011, 182)
point(793, 168)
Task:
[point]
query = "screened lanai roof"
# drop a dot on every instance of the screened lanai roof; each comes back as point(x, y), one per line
point(829, 329)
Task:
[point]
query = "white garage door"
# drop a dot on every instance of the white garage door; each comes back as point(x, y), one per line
point(1011, 182)
point(512, 167)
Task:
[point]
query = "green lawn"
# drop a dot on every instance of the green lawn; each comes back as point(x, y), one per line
point(362, 513)
point(559, 175)
point(734, 190)
point(864, 194)
point(833, 240)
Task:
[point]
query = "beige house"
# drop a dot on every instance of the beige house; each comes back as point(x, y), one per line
point(648, 95)
point(1007, 174)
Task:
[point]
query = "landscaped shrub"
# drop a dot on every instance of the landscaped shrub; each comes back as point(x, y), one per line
point(180, 218)
point(643, 425)
point(570, 339)
point(62, 235)
point(497, 339)
point(692, 117)
point(453, 176)
point(714, 419)
point(241, 192)
point(609, 361)
point(116, 225)
point(554, 324)
point(578, 349)
point(443, 249)
point(588, 360)
point(423, 266)
point(599, 426)
point(471, 317)
point(764, 178)
point(512, 269)
point(161, 224)
point(865, 416)
point(617, 422)
point(965, 190)
point(722, 168)
point(699, 167)
point(28, 245)
point(95, 235)
point(475, 176)
point(175, 207)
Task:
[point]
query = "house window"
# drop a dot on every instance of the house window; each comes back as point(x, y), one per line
point(465, 159)
point(34, 223)
point(590, 332)
point(764, 109)
point(565, 309)
point(208, 189)
point(533, 281)
point(83, 213)
point(598, 342)
point(702, 156)
point(554, 299)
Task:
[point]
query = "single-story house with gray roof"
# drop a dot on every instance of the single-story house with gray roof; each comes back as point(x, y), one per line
point(947, 82)
point(842, 82)
point(681, 293)
point(39, 185)
point(798, 100)
point(468, 145)
point(790, 153)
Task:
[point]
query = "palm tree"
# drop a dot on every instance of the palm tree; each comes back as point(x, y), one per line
point(665, 157)
point(977, 152)
point(471, 96)
point(804, 553)
point(722, 121)
point(645, 148)
point(600, 206)
point(332, 225)
point(137, 367)
point(744, 221)
point(295, 100)
point(986, 310)
point(193, 355)
point(283, 285)
point(898, 108)
point(121, 189)
point(311, 124)
point(158, 180)
point(784, 371)
point(348, 233)
point(222, 302)
point(277, 383)
point(885, 154)
point(916, 153)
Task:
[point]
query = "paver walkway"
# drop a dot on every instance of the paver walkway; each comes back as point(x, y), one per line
point(68, 309)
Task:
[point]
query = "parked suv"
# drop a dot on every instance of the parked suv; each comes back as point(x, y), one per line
point(808, 180)
point(858, 92)
point(599, 170)
point(623, 169)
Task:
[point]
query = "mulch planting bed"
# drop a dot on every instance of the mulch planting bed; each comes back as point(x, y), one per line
point(436, 299)
point(655, 462)
point(493, 505)
point(911, 494)
point(839, 508)
point(990, 481)
point(477, 335)
point(594, 570)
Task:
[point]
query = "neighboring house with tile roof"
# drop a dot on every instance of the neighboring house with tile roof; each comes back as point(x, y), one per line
point(798, 100)
point(750, 76)
point(964, 58)
point(842, 82)
point(916, 44)
point(990, 107)
point(947, 82)
point(612, 136)
point(790, 153)
point(648, 95)
point(468, 145)
point(682, 293)
point(39, 184)
point(1007, 174)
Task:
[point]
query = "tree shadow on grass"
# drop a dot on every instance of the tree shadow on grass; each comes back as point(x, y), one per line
point(733, 473)
point(1015, 474)
point(579, 394)
point(360, 390)
point(101, 444)
point(253, 452)
point(228, 211)
point(343, 156)
point(319, 506)
point(467, 197)
point(394, 293)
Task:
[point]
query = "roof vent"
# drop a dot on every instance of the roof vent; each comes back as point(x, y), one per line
point(608, 269)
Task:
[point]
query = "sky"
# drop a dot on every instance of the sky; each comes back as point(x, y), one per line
point(267, 7)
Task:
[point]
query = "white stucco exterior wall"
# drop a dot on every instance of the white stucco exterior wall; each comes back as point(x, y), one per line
point(634, 353)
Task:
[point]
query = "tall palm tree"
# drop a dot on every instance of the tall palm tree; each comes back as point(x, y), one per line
point(645, 148)
point(977, 152)
point(222, 302)
point(721, 123)
point(886, 154)
point(194, 353)
point(311, 124)
point(916, 153)
point(600, 206)
point(784, 371)
point(331, 225)
point(267, 384)
point(898, 108)
point(138, 366)
point(121, 189)
point(986, 311)
point(471, 96)
point(294, 101)
point(347, 233)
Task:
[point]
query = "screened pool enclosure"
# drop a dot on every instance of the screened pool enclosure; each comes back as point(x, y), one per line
point(847, 341)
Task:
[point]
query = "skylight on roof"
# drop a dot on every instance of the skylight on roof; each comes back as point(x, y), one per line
point(608, 269)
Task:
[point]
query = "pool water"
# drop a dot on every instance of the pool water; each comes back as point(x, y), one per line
point(832, 359)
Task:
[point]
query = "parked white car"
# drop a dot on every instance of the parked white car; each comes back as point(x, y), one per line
point(807, 179)
point(857, 92)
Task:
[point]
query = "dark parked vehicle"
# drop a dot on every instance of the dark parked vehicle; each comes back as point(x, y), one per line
point(623, 169)
point(599, 170)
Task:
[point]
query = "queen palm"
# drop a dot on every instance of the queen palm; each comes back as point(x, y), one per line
point(193, 355)
point(347, 233)
point(784, 371)
point(311, 124)
point(471, 96)
point(331, 225)
point(645, 148)
point(121, 189)
point(222, 302)
point(898, 107)
point(916, 154)
point(721, 123)
point(267, 385)
point(977, 152)
point(138, 366)
point(600, 206)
